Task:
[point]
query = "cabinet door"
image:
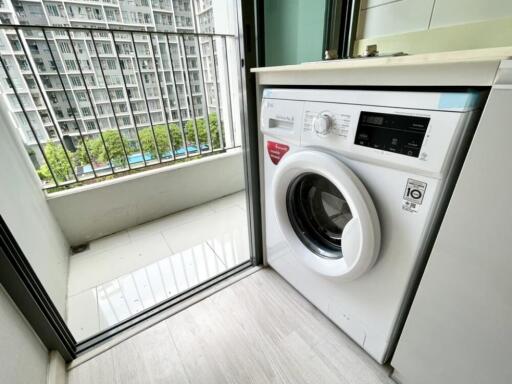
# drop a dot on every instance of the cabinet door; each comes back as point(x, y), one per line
point(460, 324)
point(453, 12)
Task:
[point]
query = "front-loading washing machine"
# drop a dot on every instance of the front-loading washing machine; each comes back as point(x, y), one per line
point(356, 182)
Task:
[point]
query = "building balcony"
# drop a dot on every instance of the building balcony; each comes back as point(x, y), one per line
point(150, 237)
point(141, 239)
point(120, 275)
point(151, 205)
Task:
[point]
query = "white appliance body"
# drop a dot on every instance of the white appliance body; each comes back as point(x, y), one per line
point(393, 187)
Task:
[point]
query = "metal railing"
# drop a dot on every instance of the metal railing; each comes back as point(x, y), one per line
point(116, 101)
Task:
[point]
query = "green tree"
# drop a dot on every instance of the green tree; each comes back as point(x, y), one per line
point(214, 126)
point(80, 156)
point(98, 149)
point(190, 132)
point(44, 173)
point(112, 141)
point(162, 139)
point(177, 139)
point(202, 131)
point(148, 142)
point(116, 146)
point(57, 161)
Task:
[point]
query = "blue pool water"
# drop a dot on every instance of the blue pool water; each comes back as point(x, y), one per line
point(137, 158)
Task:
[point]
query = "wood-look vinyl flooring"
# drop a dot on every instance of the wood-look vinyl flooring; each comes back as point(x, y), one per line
point(258, 330)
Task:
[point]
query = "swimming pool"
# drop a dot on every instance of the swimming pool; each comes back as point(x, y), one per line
point(137, 158)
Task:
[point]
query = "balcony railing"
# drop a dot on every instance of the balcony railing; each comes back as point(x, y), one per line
point(88, 127)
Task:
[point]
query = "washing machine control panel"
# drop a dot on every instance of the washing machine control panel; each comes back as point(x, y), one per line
point(326, 122)
point(410, 130)
point(416, 139)
point(393, 133)
point(322, 124)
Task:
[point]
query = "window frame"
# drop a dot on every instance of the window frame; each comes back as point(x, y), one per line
point(341, 17)
point(23, 285)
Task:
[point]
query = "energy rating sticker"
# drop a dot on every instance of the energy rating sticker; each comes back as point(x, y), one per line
point(413, 195)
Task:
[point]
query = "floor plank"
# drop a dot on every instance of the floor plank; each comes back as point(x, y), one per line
point(259, 330)
point(149, 357)
point(99, 370)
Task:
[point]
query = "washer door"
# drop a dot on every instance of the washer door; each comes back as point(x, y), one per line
point(326, 214)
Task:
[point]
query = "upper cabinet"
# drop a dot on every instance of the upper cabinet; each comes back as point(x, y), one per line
point(425, 26)
point(381, 17)
point(452, 12)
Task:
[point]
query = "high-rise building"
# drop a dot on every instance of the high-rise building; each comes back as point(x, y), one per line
point(102, 78)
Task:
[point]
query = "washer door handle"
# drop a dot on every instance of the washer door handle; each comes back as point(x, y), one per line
point(351, 241)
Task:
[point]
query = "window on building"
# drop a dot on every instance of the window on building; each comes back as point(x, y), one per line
point(53, 10)
point(64, 47)
point(34, 48)
point(70, 65)
point(46, 82)
point(59, 113)
point(40, 65)
point(71, 111)
point(76, 81)
point(108, 64)
point(111, 16)
point(80, 96)
point(117, 94)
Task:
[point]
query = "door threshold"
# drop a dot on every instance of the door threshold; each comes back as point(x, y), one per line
point(192, 297)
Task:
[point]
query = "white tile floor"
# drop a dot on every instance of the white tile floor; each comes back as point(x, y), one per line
point(122, 274)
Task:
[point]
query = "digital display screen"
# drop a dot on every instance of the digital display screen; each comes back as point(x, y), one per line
point(393, 133)
point(375, 120)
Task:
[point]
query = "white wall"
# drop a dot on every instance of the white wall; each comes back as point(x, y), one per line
point(90, 212)
point(23, 357)
point(390, 17)
point(23, 206)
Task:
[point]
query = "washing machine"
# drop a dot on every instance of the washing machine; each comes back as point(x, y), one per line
point(356, 182)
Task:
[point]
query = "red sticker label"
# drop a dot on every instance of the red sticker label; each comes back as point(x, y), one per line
point(276, 151)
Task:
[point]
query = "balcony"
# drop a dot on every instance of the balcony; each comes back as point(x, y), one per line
point(129, 209)
point(120, 275)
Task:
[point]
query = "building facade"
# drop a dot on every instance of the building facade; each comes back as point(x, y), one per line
point(102, 78)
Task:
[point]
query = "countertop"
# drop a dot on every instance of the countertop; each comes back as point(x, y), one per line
point(477, 67)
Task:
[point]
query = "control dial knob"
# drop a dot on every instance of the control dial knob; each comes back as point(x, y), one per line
point(322, 124)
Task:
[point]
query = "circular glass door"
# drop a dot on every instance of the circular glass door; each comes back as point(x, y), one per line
point(318, 213)
point(325, 213)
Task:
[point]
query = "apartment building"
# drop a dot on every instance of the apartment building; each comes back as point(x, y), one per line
point(108, 80)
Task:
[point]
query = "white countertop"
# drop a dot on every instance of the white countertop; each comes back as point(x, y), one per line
point(457, 68)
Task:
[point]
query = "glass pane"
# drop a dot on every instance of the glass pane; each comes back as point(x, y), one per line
point(318, 213)
point(92, 105)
